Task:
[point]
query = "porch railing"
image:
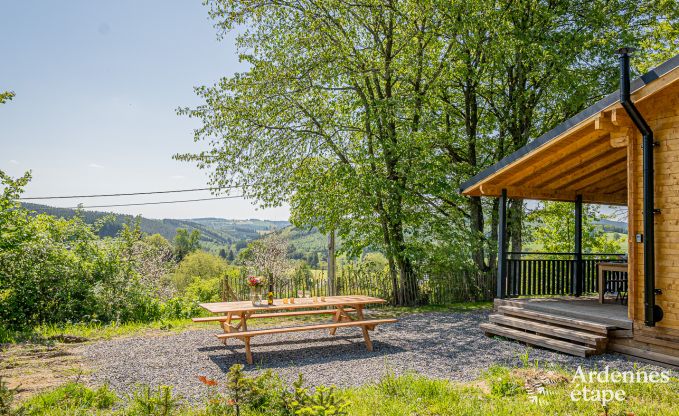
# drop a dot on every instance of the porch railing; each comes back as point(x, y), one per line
point(544, 273)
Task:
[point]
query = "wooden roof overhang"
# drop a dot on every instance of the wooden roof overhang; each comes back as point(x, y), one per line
point(586, 155)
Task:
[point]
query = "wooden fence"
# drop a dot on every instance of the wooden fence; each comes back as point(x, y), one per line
point(435, 289)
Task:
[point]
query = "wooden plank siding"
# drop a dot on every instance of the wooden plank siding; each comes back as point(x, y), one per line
point(662, 114)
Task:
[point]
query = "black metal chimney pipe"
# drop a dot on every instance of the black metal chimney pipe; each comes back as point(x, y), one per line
point(652, 313)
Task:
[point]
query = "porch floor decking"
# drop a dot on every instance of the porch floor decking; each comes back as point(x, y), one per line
point(585, 307)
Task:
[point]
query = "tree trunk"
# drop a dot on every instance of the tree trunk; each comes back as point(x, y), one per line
point(515, 225)
point(476, 225)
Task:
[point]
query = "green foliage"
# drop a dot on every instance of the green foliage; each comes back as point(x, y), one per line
point(453, 87)
point(324, 401)
point(185, 243)
point(204, 290)
point(71, 398)
point(6, 96)
point(502, 383)
point(498, 392)
point(57, 270)
point(7, 399)
point(552, 228)
point(154, 402)
point(198, 265)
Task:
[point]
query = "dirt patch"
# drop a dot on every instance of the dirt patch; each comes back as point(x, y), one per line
point(35, 368)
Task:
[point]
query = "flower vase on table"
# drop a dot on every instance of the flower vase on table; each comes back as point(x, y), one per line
point(255, 284)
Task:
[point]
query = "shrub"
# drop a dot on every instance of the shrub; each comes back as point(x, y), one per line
point(323, 401)
point(207, 290)
point(148, 402)
point(6, 399)
point(56, 271)
point(198, 265)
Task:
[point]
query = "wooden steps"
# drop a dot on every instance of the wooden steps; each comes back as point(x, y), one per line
point(538, 340)
point(551, 330)
point(583, 337)
point(566, 321)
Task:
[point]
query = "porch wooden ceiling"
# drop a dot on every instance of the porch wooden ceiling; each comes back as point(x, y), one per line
point(585, 155)
point(591, 161)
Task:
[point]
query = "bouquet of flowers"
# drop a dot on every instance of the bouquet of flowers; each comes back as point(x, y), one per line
point(254, 281)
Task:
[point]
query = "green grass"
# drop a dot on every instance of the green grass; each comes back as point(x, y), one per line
point(501, 391)
point(71, 399)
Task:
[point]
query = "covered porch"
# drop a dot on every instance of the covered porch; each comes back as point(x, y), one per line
point(620, 151)
point(574, 302)
point(588, 165)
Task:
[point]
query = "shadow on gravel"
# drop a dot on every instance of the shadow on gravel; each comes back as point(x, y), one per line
point(283, 354)
point(237, 344)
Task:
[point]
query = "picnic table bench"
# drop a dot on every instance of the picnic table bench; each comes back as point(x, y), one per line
point(346, 311)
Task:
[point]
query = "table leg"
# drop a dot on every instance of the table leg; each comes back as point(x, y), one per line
point(364, 328)
point(244, 327)
point(248, 352)
point(336, 318)
point(226, 326)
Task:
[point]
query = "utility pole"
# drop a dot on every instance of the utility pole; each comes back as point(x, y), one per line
point(331, 263)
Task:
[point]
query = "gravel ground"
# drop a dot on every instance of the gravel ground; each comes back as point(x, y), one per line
point(442, 345)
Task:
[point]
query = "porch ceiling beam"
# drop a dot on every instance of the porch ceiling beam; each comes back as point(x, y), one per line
point(546, 159)
point(622, 186)
point(591, 172)
point(565, 175)
point(610, 184)
point(554, 195)
point(602, 178)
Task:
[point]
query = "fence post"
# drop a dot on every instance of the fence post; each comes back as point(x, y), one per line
point(502, 247)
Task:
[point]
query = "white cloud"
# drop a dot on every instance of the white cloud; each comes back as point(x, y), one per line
point(94, 165)
point(177, 176)
point(14, 162)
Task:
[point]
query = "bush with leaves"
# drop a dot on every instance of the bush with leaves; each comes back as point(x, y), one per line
point(7, 399)
point(323, 401)
point(55, 270)
point(154, 402)
point(198, 266)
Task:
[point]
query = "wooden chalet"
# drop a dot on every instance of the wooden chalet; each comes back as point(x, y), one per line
point(623, 150)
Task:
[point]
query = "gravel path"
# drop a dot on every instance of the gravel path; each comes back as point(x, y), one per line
point(443, 345)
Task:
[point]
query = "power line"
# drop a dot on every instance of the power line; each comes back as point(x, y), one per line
point(157, 202)
point(124, 194)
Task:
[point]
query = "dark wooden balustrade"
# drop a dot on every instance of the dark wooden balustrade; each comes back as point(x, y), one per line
point(543, 273)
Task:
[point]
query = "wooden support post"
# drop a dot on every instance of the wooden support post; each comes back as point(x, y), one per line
point(578, 277)
point(502, 247)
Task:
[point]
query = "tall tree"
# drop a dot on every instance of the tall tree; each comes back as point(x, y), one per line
point(366, 116)
point(185, 242)
point(330, 115)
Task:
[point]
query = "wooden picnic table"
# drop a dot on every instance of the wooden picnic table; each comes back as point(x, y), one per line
point(346, 311)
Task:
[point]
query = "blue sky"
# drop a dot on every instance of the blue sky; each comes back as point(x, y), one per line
point(97, 84)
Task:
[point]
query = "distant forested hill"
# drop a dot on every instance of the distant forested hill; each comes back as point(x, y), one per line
point(218, 231)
